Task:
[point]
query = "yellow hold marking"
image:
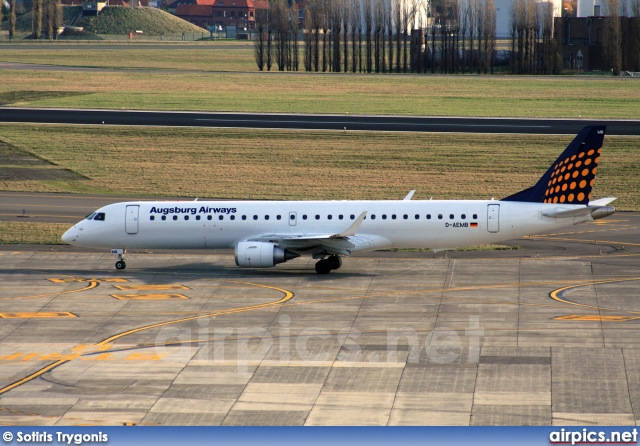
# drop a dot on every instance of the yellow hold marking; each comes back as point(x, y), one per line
point(148, 296)
point(27, 315)
point(82, 279)
point(152, 287)
point(144, 357)
point(596, 318)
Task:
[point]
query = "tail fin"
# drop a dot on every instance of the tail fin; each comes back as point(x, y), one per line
point(571, 177)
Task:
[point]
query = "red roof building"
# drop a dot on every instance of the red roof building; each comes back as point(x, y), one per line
point(206, 13)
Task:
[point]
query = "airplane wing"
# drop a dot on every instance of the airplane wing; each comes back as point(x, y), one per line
point(335, 243)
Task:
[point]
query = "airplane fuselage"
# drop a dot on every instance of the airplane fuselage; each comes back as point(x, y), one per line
point(388, 224)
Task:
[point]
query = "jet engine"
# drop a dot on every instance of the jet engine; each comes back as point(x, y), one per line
point(261, 254)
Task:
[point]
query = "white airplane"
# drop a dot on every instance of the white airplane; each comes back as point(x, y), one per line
point(265, 233)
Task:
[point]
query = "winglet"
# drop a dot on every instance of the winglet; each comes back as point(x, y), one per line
point(351, 230)
point(409, 195)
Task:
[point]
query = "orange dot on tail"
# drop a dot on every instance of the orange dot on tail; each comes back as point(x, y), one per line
point(590, 152)
point(564, 187)
point(563, 169)
point(585, 172)
point(566, 176)
point(571, 197)
point(572, 186)
point(595, 169)
point(549, 183)
point(573, 157)
point(557, 188)
point(583, 183)
point(570, 166)
point(580, 196)
point(562, 198)
point(599, 149)
point(593, 180)
point(578, 164)
point(575, 174)
point(555, 199)
point(587, 161)
point(597, 160)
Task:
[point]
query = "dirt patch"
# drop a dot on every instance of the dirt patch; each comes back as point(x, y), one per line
point(16, 165)
point(12, 97)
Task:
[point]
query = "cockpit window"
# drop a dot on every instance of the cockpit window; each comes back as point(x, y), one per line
point(99, 216)
point(90, 216)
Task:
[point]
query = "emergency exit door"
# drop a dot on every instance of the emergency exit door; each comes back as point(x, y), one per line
point(131, 222)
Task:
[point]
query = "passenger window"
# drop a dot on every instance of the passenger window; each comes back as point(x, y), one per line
point(405, 216)
point(451, 217)
point(292, 217)
point(233, 217)
point(352, 217)
point(463, 216)
point(220, 217)
point(393, 216)
point(340, 216)
point(475, 216)
point(175, 217)
point(384, 216)
point(439, 216)
point(255, 217)
point(329, 217)
point(244, 217)
point(152, 218)
point(99, 216)
point(266, 217)
point(198, 217)
point(209, 217)
point(317, 217)
point(417, 216)
point(164, 217)
point(186, 217)
point(278, 217)
point(373, 216)
point(428, 216)
point(304, 217)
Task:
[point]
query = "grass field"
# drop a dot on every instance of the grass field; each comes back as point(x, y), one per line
point(220, 76)
point(224, 163)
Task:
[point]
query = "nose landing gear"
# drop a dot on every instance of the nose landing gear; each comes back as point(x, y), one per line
point(120, 264)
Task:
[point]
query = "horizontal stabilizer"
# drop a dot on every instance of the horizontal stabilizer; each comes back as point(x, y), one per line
point(597, 209)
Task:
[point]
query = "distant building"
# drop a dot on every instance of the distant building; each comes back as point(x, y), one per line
point(240, 14)
point(580, 42)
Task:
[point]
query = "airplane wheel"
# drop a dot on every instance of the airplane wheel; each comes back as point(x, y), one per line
point(335, 261)
point(120, 264)
point(323, 267)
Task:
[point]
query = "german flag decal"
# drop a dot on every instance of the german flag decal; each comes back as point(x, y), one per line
point(474, 225)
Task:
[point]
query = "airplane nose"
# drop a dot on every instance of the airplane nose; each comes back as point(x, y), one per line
point(69, 236)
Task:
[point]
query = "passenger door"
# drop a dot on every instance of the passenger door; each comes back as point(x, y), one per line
point(131, 219)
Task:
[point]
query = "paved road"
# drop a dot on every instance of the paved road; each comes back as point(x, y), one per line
point(312, 122)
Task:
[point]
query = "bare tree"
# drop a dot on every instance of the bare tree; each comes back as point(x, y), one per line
point(12, 19)
point(612, 36)
point(356, 33)
point(37, 19)
point(346, 12)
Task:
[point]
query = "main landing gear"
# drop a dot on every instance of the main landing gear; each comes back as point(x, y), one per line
point(120, 264)
point(325, 266)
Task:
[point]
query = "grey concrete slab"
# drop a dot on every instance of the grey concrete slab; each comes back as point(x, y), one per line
point(391, 338)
